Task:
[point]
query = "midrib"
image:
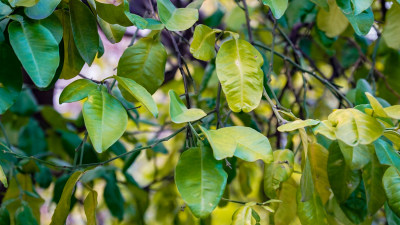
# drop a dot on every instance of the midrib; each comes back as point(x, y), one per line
point(240, 72)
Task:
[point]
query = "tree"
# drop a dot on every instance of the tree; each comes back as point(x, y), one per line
point(278, 112)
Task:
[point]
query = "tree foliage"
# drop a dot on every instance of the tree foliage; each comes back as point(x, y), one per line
point(218, 112)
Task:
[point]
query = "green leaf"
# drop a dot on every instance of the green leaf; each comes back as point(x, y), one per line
point(242, 216)
point(360, 6)
point(278, 171)
point(144, 62)
point(356, 157)
point(85, 34)
point(391, 184)
point(119, 13)
point(105, 119)
point(77, 90)
point(9, 88)
point(138, 92)
point(322, 3)
point(90, 205)
point(306, 182)
point(311, 211)
point(372, 176)
point(354, 127)
point(4, 216)
point(392, 27)
point(342, 179)
point(24, 3)
point(54, 25)
point(200, 180)
point(318, 157)
point(153, 24)
point(391, 217)
point(325, 128)
point(113, 32)
point(278, 7)
point(387, 155)
point(297, 124)
point(362, 22)
point(333, 22)
point(287, 209)
point(178, 111)
point(393, 136)
point(242, 142)
point(73, 61)
point(3, 178)
point(42, 9)
point(393, 112)
point(202, 46)
point(5, 10)
point(239, 71)
point(37, 49)
point(63, 207)
point(24, 216)
point(176, 19)
point(113, 197)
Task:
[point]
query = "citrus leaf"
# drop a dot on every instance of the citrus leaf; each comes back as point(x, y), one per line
point(239, 71)
point(73, 61)
point(176, 19)
point(9, 88)
point(105, 119)
point(322, 3)
point(318, 157)
point(200, 180)
point(287, 209)
point(393, 136)
point(278, 7)
point(391, 184)
point(278, 171)
point(24, 216)
point(5, 10)
point(362, 22)
point(37, 50)
point(144, 62)
point(354, 127)
point(376, 106)
point(119, 13)
point(63, 207)
point(222, 143)
point(242, 216)
point(372, 176)
point(342, 179)
point(311, 211)
point(90, 205)
point(202, 46)
point(356, 157)
point(138, 92)
point(178, 111)
point(392, 27)
point(297, 124)
point(387, 155)
point(3, 178)
point(333, 22)
point(85, 34)
point(325, 128)
point(77, 90)
point(24, 3)
point(113, 32)
point(42, 9)
point(393, 111)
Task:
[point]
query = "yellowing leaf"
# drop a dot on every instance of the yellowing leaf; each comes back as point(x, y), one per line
point(393, 111)
point(77, 90)
point(332, 22)
point(139, 93)
point(176, 19)
point(392, 27)
point(239, 71)
point(391, 184)
point(62, 210)
point(297, 124)
point(178, 111)
point(278, 171)
point(90, 205)
point(202, 46)
point(3, 178)
point(354, 127)
point(242, 216)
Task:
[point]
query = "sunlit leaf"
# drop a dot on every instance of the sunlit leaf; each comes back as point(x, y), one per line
point(62, 210)
point(202, 46)
point(3, 178)
point(144, 62)
point(25, 3)
point(278, 7)
point(176, 19)
point(387, 155)
point(358, 156)
point(178, 111)
point(333, 22)
point(392, 27)
point(90, 205)
point(311, 211)
point(278, 171)
point(239, 71)
point(297, 124)
point(105, 119)
point(138, 92)
point(318, 157)
point(200, 180)
point(77, 90)
point(42, 9)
